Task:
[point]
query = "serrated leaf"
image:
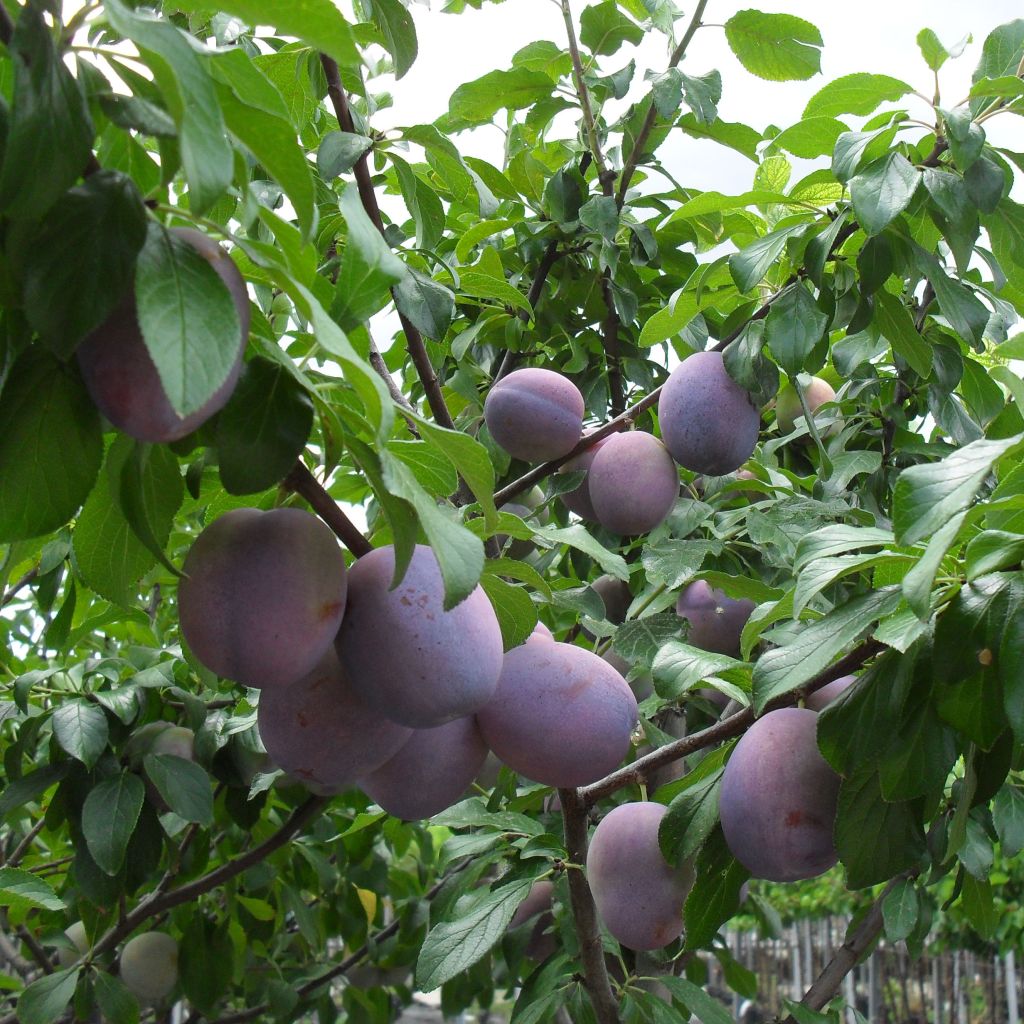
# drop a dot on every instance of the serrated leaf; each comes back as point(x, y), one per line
point(516, 612)
point(678, 667)
point(776, 47)
point(883, 190)
point(714, 898)
point(751, 263)
point(478, 101)
point(81, 729)
point(860, 93)
point(1008, 818)
point(115, 1000)
point(47, 997)
point(429, 306)
point(109, 815)
point(577, 536)
point(793, 328)
point(22, 890)
point(184, 785)
point(690, 818)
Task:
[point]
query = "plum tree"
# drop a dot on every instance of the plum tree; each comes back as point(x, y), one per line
point(820, 699)
point(778, 798)
point(405, 655)
point(708, 422)
point(322, 732)
point(263, 595)
point(430, 771)
point(578, 499)
point(535, 414)
point(716, 621)
point(633, 483)
point(638, 894)
point(788, 409)
point(149, 966)
point(121, 376)
point(561, 716)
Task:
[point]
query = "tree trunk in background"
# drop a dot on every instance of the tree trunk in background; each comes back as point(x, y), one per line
point(796, 975)
point(850, 995)
point(874, 989)
point(1012, 1013)
point(938, 976)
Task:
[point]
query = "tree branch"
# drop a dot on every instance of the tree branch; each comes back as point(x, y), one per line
point(12, 591)
point(641, 768)
point(547, 261)
point(302, 482)
point(6, 26)
point(652, 114)
point(595, 974)
point(413, 339)
point(22, 848)
point(610, 342)
point(604, 177)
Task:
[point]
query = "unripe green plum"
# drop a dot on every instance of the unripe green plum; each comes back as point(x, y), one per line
point(430, 772)
point(149, 966)
point(561, 716)
point(322, 732)
point(535, 414)
point(788, 409)
point(778, 799)
point(708, 422)
point(633, 483)
point(179, 741)
point(405, 655)
point(263, 595)
point(639, 896)
point(716, 621)
point(578, 499)
point(820, 699)
point(122, 378)
point(77, 937)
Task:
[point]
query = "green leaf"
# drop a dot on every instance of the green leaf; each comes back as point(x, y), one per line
point(601, 215)
point(103, 221)
point(777, 47)
point(678, 667)
point(917, 584)
point(399, 31)
point(992, 550)
point(81, 729)
point(883, 190)
point(22, 890)
point(690, 819)
point(470, 459)
point(837, 539)
point(703, 94)
point(899, 910)
point(47, 997)
point(895, 322)
point(667, 92)
point(185, 84)
point(604, 28)
point(339, 152)
point(26, 789)
point(516, 612)
point(715, 896)
point(1001, 55)
point(316, 22)
point(852, 147)
point(109, 815)
point(50, 446)
point(424, 205)
point(184, 786)
point(748, 365)
point(967, 315)
point(563, 195)
point(577, 536)
point(811, 137)
point(483, 286)
point(705, 1007)
point(670, 320)
point(978, 904)
point(48, 131)
point(860, 93)
point(188, 319)
point(114, 999)
point(149, 491)
point(429, 306)
point(750, 264)
point(263, 429)
point(793, 328)
point(452, 946)
point(478, 101)
point(206, 960)
point(1008, 818)
point(783, 669)
point(934, 53)
point(927, 496)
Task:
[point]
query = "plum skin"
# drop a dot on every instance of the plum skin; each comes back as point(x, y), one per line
point(638, 894)
point(404, 654)
point(708, 422)
point(561, 715)
point(633, 483)
point(123, 380)
point(149, 965)
point(322, 733)
point(788, 409)
point(578, 499)
point(716, 621)
point(429, 772)
point(535, 414)
point(779, 797)
point(263, 595)
point(820, 699)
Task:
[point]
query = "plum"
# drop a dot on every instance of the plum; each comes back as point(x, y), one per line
point(778, 799)
point(160, 738)
point(561, 716)
point(405, 655)
point(535, 414)
point(716, 621)
point(788, 409)
point(540, 634)
point(79, 940)
point(708, 422)
point(430, 771)
point(633, 483)
point(578, 499)
point(820, 699)
point(322, 732)
point(525, 508)
point(639, 896)
point(123, 380)
point(149, 966)
point(263, 595)
point(616, 595)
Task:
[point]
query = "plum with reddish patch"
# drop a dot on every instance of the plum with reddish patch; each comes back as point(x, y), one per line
point(535, 414)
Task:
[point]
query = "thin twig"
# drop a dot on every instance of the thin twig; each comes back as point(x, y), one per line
point(12, 591)
point(301, 481)
point(547, 261)
point(22, 848)
point(593, 139)
point(610, 343)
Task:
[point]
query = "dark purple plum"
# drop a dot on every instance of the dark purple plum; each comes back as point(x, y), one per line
point(716, 621)
point(405, 655)
point(263, 595)
point(616, 595)
point(708, 422)
point(322, 733)
point(526, 508)
point(578, 499)
point(633, 483)
point(561, 716)
point(820, 699)
point(535, 414)
point(122, 378)
point(638, 894)
point(778, 799)
point(430, 772)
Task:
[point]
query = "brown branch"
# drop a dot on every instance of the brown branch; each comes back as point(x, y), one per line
point(37, 951)
point(22, 848)
point(547, 261)
point(610, 343)
point(12, 592)
point(6, 26)
point(641, 768)
point(413, 339)
point(595, 974)
point(652, 113)
point(302, 482)
point(593, 140)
